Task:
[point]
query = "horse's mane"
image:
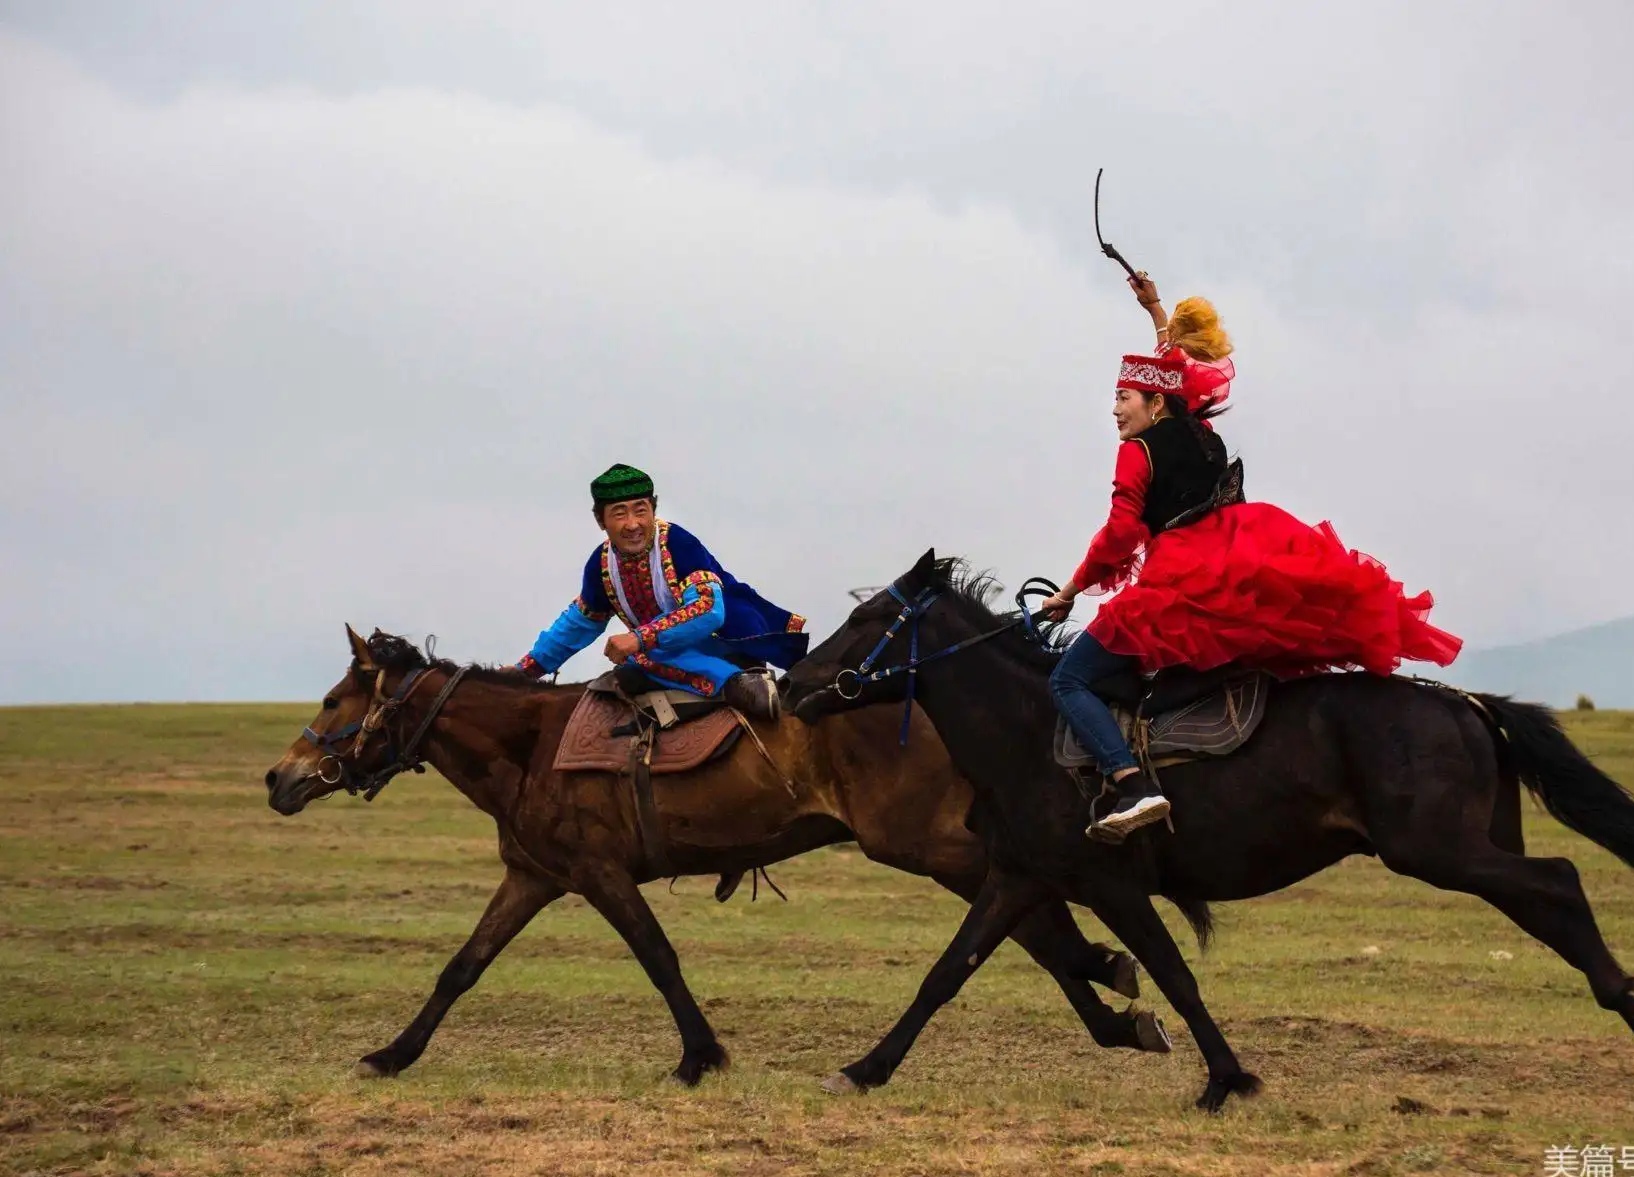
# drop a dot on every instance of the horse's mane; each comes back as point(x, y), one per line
point(398, 655)
point(978, 589)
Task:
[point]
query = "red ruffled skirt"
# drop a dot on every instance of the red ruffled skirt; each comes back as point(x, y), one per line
point(1252, 584)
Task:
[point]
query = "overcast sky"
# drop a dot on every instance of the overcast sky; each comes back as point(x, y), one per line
point(320, 312)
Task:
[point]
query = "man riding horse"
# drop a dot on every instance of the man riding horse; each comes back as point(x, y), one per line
point(693, 625)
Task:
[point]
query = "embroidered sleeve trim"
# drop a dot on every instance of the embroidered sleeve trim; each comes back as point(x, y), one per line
point(797, 623)
point(530, 667)
point(693, 682)
point(586, 610)
point(707, 584)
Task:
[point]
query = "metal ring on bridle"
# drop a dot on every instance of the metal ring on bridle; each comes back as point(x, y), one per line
point(839, 680)
point(340, 770)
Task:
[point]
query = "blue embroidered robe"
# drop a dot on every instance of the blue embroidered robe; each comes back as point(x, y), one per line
point(697, 624)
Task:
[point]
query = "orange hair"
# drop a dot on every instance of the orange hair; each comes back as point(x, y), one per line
point(1195, 329)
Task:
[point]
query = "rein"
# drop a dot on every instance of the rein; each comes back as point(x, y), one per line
point(405, 759)
point(912, 611)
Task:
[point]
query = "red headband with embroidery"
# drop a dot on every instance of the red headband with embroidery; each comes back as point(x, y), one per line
point(1152, 374)
point(1201, 384)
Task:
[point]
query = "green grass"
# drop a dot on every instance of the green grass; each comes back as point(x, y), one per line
point(186, 979)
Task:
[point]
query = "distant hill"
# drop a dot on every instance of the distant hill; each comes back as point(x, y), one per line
point(1597, 662)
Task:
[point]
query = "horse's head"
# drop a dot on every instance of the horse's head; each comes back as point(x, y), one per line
point(843, 672)
point(352, 744)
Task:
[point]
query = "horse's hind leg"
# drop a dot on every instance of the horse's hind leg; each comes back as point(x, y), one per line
point(518, 899)
point(1544, 896)
point(614, 894)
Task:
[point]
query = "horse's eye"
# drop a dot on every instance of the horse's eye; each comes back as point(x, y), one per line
point(330, 702)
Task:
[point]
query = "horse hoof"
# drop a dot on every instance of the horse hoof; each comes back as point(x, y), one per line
point(1151, 1035)
point(695, 1066)
point(1126, 976)
point(372, 1068)
point(1218, 1090)
point(840, 1083)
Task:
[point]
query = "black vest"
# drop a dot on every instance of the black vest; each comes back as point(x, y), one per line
point(1185, 470)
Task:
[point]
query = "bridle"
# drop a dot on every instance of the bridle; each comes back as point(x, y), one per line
point(404, 758)
point(913, 610)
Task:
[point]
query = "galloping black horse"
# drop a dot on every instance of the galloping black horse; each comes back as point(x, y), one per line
point(1424, 778)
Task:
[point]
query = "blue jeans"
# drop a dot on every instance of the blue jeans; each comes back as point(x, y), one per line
point(1086, 662)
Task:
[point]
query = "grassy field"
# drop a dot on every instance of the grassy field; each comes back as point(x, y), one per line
point(186, 980)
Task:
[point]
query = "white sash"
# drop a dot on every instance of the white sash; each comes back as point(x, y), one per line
point(660, 588)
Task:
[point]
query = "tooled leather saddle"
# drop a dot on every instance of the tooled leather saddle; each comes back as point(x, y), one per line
point(653, 733)
point(683, 731)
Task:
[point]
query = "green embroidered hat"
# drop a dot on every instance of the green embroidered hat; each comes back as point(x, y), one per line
point(619, 484)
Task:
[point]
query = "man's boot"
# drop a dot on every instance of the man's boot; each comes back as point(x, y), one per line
point(754, 692)
point(633, 681)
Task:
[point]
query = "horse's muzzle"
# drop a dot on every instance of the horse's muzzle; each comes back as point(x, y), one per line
point(287, 788)
point(808, 704)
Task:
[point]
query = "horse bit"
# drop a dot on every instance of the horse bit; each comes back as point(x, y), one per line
point(360, 732)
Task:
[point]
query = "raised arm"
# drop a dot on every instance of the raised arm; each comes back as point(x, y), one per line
point(1146, 294)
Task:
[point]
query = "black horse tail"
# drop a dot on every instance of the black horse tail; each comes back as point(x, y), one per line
point(1198, 915)
point(1571, 788)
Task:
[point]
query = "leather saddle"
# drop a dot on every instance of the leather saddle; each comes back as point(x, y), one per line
point(668, 731)
point(1176, 716)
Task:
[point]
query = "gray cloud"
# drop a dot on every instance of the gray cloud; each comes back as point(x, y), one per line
point(330, 316)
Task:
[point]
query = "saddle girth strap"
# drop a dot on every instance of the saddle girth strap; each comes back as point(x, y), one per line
point(648, 826)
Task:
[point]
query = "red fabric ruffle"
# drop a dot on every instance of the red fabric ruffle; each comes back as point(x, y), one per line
point(1252, 584)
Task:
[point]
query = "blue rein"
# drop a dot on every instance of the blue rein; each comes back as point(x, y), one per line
point(912, 611)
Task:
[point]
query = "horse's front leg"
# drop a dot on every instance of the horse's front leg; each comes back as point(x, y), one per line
point(1002, 903)
point(613, 892)
point(1132, 918)
point(1053, 939)
point(520, 897)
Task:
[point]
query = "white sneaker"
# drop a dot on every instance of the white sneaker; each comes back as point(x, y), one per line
point(1134, 812)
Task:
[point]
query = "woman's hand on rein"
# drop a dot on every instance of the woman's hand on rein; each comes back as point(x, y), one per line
point(1056, 607)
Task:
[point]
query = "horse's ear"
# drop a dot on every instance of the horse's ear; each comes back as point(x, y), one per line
point(360, 649)
point(927, 565)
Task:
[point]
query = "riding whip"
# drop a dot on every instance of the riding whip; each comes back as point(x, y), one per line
point(1107, 247)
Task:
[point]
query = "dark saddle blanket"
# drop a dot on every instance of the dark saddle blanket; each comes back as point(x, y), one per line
point(671, 731)
point(1177, 717)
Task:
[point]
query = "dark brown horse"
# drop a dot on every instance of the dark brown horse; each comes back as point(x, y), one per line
point(1423, 777)
point(495, 735)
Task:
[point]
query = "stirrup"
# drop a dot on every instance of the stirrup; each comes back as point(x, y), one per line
point(1094, 831)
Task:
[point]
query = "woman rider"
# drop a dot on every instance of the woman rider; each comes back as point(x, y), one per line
point(1220, 581)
